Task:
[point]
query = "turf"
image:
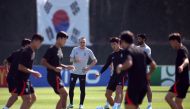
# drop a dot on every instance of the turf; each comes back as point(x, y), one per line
point(46, 99)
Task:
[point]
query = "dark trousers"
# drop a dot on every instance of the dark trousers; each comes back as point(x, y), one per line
point(82, 80)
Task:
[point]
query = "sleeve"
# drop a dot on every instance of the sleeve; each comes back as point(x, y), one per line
point(92, 56)
point(48, 54)
point(148, 58)
point(183, 54)
point(72, 55)
point(149, 52)
point(108, 62)
point(26, 56)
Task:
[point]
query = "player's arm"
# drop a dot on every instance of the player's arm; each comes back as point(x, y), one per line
point(93, 63)
point(183, 65)
point(126, 65)
point(45, 63)
point(152, 66)
point(184, 55)
point(24, 61)
point(107, 64)
point(69, 67)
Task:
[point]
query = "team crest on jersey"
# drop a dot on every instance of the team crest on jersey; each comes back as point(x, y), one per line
point(60, 53)
point(33, 56)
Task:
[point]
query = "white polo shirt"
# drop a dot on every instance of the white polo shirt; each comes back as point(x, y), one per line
point(83, 55)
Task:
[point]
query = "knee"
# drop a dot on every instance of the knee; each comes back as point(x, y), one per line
point(27, 100)
point(33, 99)
point(107, 95)
point(167, 98)
point(15, 97)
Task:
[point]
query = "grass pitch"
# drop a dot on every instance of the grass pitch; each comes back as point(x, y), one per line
point(47, 99)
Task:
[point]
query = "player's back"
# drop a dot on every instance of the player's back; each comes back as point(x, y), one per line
point(14, 62)
point(137, 73)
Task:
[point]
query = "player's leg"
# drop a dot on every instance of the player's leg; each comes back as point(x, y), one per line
point(179, 102)
point(73, 79)
point(82, 80)
point(182, 89)
point(12, 99)
point(26, 100)
point(33, 99)
point(131, 106)
point(149, 96)
point(12, 90)
point(31, 93)
point(109, 97)
point(63, 98)
point(169, 99)
point(119, 90)
point(119, 96)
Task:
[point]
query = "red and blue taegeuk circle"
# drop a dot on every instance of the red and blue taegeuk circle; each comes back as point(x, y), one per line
point(60, 20)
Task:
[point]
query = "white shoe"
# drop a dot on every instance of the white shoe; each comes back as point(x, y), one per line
point(149, 107)
point(70, 106)
point(99, 107)
point(81, 107)
point(106, 107)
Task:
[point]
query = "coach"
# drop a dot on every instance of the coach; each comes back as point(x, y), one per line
point(79, 57)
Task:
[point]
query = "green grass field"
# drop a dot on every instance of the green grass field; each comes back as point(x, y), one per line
point(46, 99)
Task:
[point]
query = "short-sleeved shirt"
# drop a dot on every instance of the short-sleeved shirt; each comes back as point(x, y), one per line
point(182, 53)
point(26, 59)
point(83, 55)
point(54, 57)
point(137, 73)
point(146, 49)
point(13, 59)
point(116, 58)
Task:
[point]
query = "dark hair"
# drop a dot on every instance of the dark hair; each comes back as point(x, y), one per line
point(114, 39)
point(37, 37)
point(175, 36)
point(62, 34)
point(143, 36)
point(127, 36)
point(25, 42)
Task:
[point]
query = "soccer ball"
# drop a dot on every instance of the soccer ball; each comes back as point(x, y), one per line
point(99, 107)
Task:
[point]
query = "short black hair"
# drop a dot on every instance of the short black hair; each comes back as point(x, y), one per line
point(127, 36)
point(25, 42)
point(114, 39)
point(37, 37)
point(143, 36)
point(62, 34)
point(175, 36)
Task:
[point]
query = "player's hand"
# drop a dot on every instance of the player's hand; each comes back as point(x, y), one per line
point(97, 75)
point(58, 69)
point(37, 74)
point(118, 70)
point(70, 67)
point(86, 69)
point(148, 76)
point(180, 69)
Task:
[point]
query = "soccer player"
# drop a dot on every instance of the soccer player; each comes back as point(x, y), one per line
point(53, 61)
point(24, 86)
point(116, 57)
point(141, 40)
point(12, 61)
point(79, 57)
point(181, 85)
point(136, 65)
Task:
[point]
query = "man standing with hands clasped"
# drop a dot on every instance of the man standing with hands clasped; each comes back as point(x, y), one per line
point(80, 57)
